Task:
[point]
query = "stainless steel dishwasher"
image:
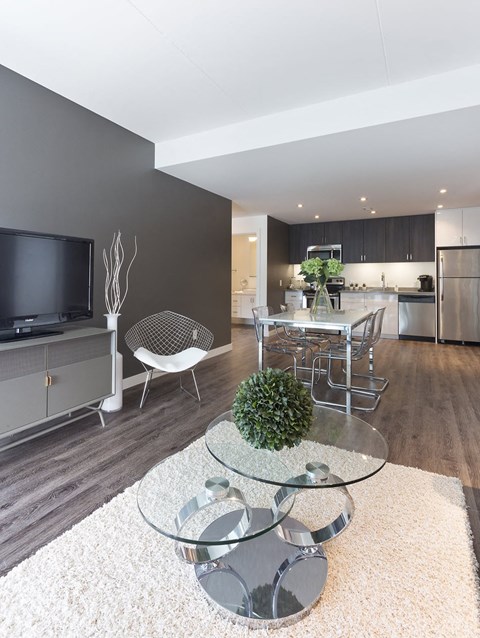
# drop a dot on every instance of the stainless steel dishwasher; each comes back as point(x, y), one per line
point(416, 317)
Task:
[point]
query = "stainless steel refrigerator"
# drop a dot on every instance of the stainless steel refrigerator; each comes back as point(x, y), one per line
point(458, 294)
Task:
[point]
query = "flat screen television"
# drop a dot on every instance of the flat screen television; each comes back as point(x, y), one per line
point(45, 280)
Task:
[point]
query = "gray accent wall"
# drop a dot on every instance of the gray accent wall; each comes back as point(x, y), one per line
point(66, 170)
point(278, 268)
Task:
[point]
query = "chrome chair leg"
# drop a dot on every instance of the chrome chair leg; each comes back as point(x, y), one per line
point(146, 388)
point(196, 387)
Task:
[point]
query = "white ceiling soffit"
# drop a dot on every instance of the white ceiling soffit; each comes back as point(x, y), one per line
point(237, 76)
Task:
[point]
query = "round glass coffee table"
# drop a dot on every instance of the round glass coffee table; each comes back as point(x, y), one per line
point(254, 526)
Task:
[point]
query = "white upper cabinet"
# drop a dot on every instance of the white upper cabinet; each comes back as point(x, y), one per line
point(471, 226)
point(457, 227)
point(448, 227)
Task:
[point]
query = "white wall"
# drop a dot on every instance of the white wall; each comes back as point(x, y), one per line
point(258, 225)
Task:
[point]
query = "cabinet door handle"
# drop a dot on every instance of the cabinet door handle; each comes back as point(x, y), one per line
point(48, 381)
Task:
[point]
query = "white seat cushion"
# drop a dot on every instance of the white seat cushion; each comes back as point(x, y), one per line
point(173, 362)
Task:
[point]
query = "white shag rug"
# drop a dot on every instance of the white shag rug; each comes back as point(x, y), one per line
point(404, 568)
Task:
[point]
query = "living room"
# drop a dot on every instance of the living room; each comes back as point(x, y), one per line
point(68, 169)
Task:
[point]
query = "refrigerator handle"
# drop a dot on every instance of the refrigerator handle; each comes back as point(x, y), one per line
point(442, 283)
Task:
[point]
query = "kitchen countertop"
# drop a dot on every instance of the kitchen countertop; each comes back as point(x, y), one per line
point(389, 291)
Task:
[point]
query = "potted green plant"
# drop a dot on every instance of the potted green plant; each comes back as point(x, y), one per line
point(317, 271)
point(272, 409)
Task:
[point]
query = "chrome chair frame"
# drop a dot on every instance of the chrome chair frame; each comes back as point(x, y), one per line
point(337, 352)
point(281, 342)
point(379, 315)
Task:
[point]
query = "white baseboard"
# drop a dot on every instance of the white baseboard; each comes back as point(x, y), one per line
point(138, 379)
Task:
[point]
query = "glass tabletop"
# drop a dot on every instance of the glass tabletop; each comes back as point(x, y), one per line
point(339, 449)
point(185, 497)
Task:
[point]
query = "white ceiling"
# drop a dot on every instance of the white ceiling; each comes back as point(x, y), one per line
point(275, 102)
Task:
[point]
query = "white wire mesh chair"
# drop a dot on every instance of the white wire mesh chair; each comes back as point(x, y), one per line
point(170, 343)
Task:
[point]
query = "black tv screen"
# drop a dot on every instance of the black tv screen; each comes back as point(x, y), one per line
point(44, 279)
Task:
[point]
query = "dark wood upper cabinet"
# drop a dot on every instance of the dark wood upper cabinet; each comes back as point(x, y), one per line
point(410, 238)
point(422, 237)
point(317, 234)
point(352, 241)
point(397, 239)
point(364, 241)
point(374, 240)
point(383, 239)
point(333, 233)
point(299, 238)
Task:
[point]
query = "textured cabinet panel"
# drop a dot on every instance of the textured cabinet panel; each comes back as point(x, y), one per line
point(66, 352)
point(22, 362)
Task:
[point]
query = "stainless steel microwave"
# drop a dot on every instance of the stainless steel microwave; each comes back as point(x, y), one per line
point(333, 251)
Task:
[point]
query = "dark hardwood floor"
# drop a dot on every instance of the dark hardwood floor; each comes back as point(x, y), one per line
point(430, 415)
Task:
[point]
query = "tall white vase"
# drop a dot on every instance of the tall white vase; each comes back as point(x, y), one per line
point(115, 403)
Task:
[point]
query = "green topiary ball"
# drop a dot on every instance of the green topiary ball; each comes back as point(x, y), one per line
point(272, 409)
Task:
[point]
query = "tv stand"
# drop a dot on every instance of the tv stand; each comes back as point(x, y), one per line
point(49, 377)
point(27, 333)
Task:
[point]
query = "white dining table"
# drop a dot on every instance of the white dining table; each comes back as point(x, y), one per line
point(344, 321)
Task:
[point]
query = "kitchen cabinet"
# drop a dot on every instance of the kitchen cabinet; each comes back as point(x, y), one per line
point(372, 301)
point(375, 300)
point(301, 236)
point(379, 240)
point(294, 297)
point(236, 299)
point(364, 241)
point(242, 304)
point(457, 227)
point(410, 238)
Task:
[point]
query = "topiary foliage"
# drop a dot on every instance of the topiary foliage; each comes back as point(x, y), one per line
point(272, 409)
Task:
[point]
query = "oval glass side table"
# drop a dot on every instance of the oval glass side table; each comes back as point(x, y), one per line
point(256, 537)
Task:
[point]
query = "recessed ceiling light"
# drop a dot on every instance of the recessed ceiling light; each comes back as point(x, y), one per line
point(443, 191)
point(363, 199)
point(317, 216)
point(300, 205)
point(440, 206)
point(373, 212)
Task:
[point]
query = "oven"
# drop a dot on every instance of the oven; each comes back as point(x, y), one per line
point(334, 285)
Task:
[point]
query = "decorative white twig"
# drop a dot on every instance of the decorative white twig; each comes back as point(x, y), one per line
point(113, 265)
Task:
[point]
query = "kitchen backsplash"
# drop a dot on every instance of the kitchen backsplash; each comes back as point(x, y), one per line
point(400, 274)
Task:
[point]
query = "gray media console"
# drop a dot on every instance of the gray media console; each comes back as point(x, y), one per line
point(49, 377)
